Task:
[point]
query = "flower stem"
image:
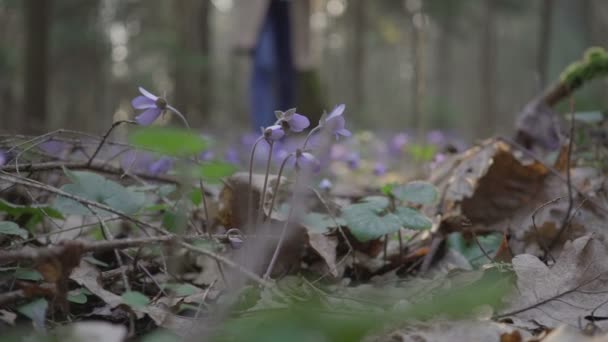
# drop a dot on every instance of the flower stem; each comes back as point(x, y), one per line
point(180, 115)
point(250, 197)
point(260, 216)
point(312, 131)
point(276, 187)
point(277, 250)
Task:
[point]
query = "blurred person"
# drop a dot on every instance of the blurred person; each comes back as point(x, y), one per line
point(267, 31)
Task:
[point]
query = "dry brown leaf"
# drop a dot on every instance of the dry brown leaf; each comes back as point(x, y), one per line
point(455, 331)
point(567, 333)
point(96, 331)
point(87, 275)
point(325, 246)
point(565, 293)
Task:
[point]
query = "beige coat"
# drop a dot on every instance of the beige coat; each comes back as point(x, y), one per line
point(249, 17)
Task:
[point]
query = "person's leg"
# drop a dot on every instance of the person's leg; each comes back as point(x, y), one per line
point(262, 93)
point(279, 12)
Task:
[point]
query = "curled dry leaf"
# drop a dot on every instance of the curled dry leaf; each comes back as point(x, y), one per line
point(574, 287)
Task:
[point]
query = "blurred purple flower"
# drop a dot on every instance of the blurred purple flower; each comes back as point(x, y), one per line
point(380, 169)
point(398, 142)
point(274, 132)
point(306, 161)
point(207, 155)
point(292, 121)
point(436, 137)
point(160, 166)
point(325, 184)
point(353, 161)
point(248, 139)
point(335, 122)
point(3, 158)
point(438, 160)
point(232, 156)
point(54, 147)
point(134, 160)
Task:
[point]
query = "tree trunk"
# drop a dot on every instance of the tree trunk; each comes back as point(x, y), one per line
point(544, 46)
point(486, 123)
point(358, 29)
point(37, 24)
point(191, 58)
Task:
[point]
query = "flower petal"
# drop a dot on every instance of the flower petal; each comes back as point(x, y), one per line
point(161, 166)
point(344, 132)
point(148, 116)
point(298, 123)
point(274, 132)
point(337, 111)
point(142, 102)
point(148, 94)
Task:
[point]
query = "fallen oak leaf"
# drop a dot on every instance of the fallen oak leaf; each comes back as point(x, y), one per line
point(566, 292)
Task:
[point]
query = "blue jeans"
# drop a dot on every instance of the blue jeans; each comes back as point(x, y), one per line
point(272, 82)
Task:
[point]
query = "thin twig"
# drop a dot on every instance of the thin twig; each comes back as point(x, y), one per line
point(566, 219)
point(44, 187)
point(105, 137)
point(227, 262)
point(34, 254)
point(260, 216)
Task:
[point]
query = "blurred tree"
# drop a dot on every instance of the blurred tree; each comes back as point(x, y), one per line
point(359, 30)
point(80, 57)
point(191, 59)
point(486, 123)
point(37, 22)
point(10, 35)
point(544, 42)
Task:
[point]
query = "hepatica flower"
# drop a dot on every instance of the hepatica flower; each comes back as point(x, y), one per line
point(160, 166)
point(152, 105)
point(380, 169)
point(292, 121)
point(353, 161)
point(274, 132)
point(306, 161)
point(335, 122)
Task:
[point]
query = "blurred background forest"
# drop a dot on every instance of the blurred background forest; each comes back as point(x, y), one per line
point(466, 66)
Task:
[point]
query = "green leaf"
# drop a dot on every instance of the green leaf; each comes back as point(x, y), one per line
point(416, 192)
point(183, 290)
point(387, 189)
point(98, 189)
point(413, 219)
point(590, 117)
point(35, 212)
point(365, 222)
point(320, 223)
point(470, 249)
point(28, 274)
point(135, 299)
point(215, 171)
point(169, 141)
point(196, 196)
point(11, 228)
point(35, 310)
point(77, 296)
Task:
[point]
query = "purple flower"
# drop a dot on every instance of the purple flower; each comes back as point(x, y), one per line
point(380, 169)
point(436, 137)
point(325, 184)
point(353, 161)
point(2, 158)
point(161, 166)
point(153, 107)
point(438, 160)
point(274, 132)
point(207, 155)
point(398, 142)
point(335, 122)
point(292, 121)
point(306, 161)
point(232, 156)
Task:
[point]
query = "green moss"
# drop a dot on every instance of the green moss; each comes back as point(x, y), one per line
point(594, 64)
